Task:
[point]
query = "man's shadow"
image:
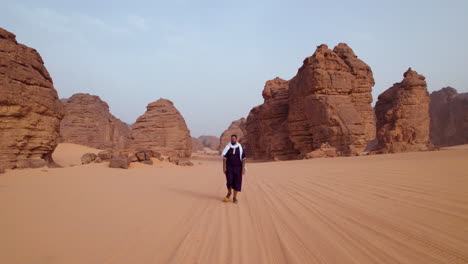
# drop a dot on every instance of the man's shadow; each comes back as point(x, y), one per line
point(194, 194)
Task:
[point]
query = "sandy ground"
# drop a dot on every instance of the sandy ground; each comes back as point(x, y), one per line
point(400, 208)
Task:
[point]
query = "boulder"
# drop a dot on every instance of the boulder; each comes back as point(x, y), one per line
point(143, 155)
point(173, 158)
point(105, 155)
point(88, 158)
point(119, 161)
point(132, 158)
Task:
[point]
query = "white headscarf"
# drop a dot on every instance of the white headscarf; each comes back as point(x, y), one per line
point(229, 146)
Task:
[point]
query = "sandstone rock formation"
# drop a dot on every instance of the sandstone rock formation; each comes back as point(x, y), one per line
point(30, 110)
point(449, 117)
point(330, 101)
point(266, 125)
point(162, 129)
point(211, 142)
point(402, 113)
point(88, 122)
point(236, 128)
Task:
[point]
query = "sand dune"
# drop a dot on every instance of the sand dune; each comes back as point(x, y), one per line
point(68, 154)
point(399, 208)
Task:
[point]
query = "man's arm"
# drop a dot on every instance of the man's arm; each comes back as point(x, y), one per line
point(243, 166)
point(243, 162)
point(224, 165)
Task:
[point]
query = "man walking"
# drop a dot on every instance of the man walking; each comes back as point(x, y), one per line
point(233, 167)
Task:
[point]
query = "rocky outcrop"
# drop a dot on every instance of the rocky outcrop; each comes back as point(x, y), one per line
point(402, 113)
point(330, 101)
point(88, 158)
point(104, 155)
point(266, 125)
point(325, 151)
point(88, 122)
point(236, 128)
point(177, 160)
point(449, 117)
point(161, 129)
point(210, 142)
point(30, 110)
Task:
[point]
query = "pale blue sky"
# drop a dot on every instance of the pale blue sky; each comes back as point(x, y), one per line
point(212, 58)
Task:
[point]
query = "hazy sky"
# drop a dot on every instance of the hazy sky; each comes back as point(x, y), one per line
point(212, 58)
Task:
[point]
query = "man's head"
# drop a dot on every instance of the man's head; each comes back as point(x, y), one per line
point(233, 139)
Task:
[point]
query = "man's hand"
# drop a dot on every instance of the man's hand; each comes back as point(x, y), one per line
point(224, 170)
point(243, 171)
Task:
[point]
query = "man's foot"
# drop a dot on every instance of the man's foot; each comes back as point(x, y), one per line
point(228, 195)
point(226, 200)
point(235, 200)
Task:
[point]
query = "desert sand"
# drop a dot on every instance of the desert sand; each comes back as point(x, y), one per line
point(393, 208)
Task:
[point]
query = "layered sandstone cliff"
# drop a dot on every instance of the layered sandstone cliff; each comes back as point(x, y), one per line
point(30, 110)
point(162, 129)
point(88, 122)
point(330, 102)
point(402, 113)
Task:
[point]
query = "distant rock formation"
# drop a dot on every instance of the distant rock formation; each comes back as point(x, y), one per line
point(402, 113)
point(196, 145)
point(236, 128)
point(210, 142)
point(267, 127)
point(162, 129)
point(330, 102)
point(88, 122)
point(202, 142)
point(449, 117)
point(30, 110)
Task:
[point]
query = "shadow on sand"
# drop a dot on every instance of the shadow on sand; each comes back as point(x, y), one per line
point(194, 194)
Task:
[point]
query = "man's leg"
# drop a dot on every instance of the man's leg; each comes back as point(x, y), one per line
point(237, 183)
point(229, 181)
